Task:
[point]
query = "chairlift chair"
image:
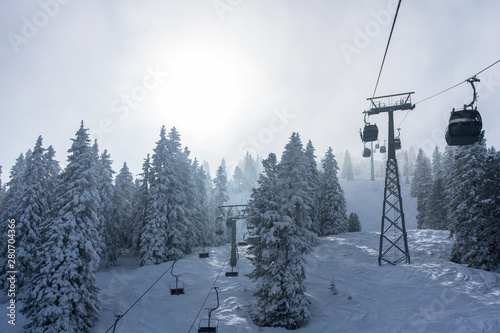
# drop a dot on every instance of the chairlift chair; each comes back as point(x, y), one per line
point(465, 126)
point(233, 272)
point(210, 325)
point(244, 241)
point(203, 253)
point(176, 287)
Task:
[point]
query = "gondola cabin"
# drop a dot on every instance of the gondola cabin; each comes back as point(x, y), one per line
point(464, 128)
point(397, 143)
point(383, 149)
point(366, 152)
point(370, 133)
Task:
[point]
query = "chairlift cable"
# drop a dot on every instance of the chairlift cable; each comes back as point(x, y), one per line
point(387, 47)
point(121, 316)
point(454, 86)
point(213, 285)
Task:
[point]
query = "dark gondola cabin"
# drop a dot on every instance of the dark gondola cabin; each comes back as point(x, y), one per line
point(366, 152)
point(370, 133)
point(464, 128)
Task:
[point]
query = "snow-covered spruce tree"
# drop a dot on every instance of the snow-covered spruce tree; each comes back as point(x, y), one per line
point(265, 244)
point(347, 168)
point(141, 204)
point(220, 186)
point(200, 206)
point(406, 167)
point(31, 211)
point(54, 170)
point(153, 247)
point(63, 293)
point(466, 213)
point(313, 179)
point(2, 188)
point(107, 229)
point(421, 186)
point(447, 165)
point(282, 238)
point(122, 214)
point(353, 223)
point(332, 205)
point(436, 210)
point(9, 204)
point(180, 230)
point(250, 174)
point(238, 181)
point(488, 228)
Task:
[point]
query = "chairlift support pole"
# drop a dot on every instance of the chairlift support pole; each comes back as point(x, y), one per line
point(393, 228)
point(372, 173)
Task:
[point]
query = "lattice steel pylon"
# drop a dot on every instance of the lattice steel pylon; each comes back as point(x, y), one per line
point(393, 238)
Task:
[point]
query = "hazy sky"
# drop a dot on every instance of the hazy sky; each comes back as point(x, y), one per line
point(237, 75)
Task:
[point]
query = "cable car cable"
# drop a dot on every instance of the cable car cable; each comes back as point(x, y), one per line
point(387, 48)
point(210, 291)
point(454, 86)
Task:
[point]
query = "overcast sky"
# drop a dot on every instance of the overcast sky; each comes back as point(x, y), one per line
point(237, 75)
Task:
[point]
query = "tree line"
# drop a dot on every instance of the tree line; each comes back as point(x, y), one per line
point(459, 191)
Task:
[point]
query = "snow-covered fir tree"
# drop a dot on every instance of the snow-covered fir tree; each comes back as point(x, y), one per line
point(238, 181)
point(153, 247)
point(436, 211)
point(347, 167)
point(31, 212)
point(63, 293)
point(180, 229)
point(474, 212)
point(11, 200)
point(332, 205)
point(200, 206)
point(220, 186)
point(121, 219)
point(168, 232)
point(141, 204)
point(421, 186)
point(406, 167)
point(249, 170)
point(353, 223)
point(447, 165)
point(282, 237)
point(2, 188)
point(278, 245)
point(313, 179)
point(467, 178)
point(106, 228)
point(54, 169)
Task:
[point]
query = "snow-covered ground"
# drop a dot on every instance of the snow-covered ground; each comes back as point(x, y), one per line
point(429, 295)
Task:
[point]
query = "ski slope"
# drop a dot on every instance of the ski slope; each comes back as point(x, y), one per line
point(430, 295)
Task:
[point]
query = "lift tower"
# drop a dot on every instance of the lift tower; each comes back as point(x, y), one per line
point(393, 229)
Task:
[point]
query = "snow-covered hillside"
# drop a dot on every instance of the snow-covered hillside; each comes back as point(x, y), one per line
point(430, 295)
